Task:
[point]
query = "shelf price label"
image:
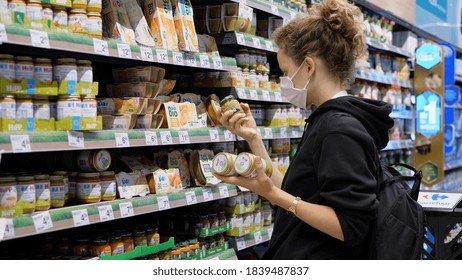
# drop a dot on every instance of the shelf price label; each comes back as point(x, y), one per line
point(106, 213)
point(240, 243)
point(240, 39)
point(191, 198)
point(146, 54)
point(277, 96)
point(208, 194)
point(80, 217)
point(122, 140)
point(42, 221)
point(223, 191)
point(184, 136)
point(268, 132)
point(163, 203)
point(75, 139)
point(217, 63)
point(269, 45)
point(253, 94)
point(191, 60)
point(166, 138)
point(274, 10)
point(256, 43)
point(100, 47)
point(178, 58)
point(266, 96)
point(258, 237)
point(241, 93)
point(229, 136)
point(20, 143)
point(126, 209)
point(3, 34)
point(162, 56)
point(151, 138)
point(39, 39)
point(6, 228)
point(124, 50)
point(204, 60)
point(214, 136)
point(283, 132)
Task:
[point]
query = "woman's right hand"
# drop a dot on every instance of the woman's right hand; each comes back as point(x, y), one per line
point(241, 124)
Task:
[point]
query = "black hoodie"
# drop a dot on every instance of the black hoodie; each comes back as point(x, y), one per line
point(335, 165)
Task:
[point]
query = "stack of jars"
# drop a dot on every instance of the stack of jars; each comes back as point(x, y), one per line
point(253, 69)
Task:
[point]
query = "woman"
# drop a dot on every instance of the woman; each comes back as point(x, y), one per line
point(326, 201)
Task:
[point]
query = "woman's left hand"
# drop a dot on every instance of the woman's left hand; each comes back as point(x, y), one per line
point(262, 184)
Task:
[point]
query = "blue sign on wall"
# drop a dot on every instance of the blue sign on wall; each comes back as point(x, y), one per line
point(428, 112)
point(428, 56)
point(438, 8)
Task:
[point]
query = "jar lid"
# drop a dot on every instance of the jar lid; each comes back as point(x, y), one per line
point(115, 238)
point(65, 60)
point(100, 240)
point(59, 8)
point(42, 177)
point(102, 160)
point(23, 58)
point(226, 99)
point(83, 62)
point(107, 173)
point(40, 97)
point(77, 11)
point(89, 175)
point(6, 56)
point(42, 60)
point(7, 179)
point(73, 174)
point(94, 14)
point(56, 178)
point(139, 232)
point(150, 230)
point(35, 1)
point(25, 178)
point(89, 96)
point(126, 235)
point(82, 240)
point(69, 96)
point(62, 173)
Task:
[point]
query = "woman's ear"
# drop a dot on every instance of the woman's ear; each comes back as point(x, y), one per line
point(309, 65)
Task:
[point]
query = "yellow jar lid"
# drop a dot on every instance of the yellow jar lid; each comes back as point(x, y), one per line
point(59, 9)
point(7, 179)
point(107, 173)
point(66, 60)
point(42, 60)
point(77, 11)
point(94, 14)
point(89, 175)
point(24, 58)
point(56, 178)
point(42, 177)
point(35, 1)
point(83, 62)
point(6, 56)
point(25, 178)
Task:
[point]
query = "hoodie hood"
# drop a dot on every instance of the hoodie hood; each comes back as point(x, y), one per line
point(373, 114)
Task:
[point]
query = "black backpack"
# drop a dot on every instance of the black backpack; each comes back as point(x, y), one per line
point(398, 232)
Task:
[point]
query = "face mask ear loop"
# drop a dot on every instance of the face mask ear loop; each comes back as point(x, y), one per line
point(307, 83)
point(299, 67)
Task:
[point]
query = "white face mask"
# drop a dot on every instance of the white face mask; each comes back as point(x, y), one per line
point(296, 96)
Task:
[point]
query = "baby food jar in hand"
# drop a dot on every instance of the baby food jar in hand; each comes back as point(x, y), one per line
point(229, 103)
point(246, 165)
point(223, 164)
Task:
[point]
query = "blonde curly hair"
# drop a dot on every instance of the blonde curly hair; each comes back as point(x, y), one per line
point(333, 31)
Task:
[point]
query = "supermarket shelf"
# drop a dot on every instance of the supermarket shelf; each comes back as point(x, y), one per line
point(275, 9)
point(374, 43)
point(398, 145)
point(246, 40)
point(258, 95)
point(453, 165)
point(258, 237)
point(382, 79)
point(142, 251)
point(229, 254)
point(107, 139)
point(80, 215)
point(73, 45)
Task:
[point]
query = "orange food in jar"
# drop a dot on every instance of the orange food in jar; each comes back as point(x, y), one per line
point(129, 244)
point(100, 247)
point(117, 246)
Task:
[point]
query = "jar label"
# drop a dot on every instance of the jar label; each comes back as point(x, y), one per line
point(89, 110)
point(42, 194)
point(8, 109)
point(88, 191)
point(60, 20)
point(108, 188)
point(17, 7)
point(85, 74)
point(117, 250)
point(65, 73)
point(24, 72)
point(42, 111)
point(8, 199)
point(24, 110)
point(26, 194)
point(69, 109)
point(103, 161)
point(34, 12)
point(77, 23)
point(43, 74)
point(94, 26)
point(7, 71)
point(57, 195)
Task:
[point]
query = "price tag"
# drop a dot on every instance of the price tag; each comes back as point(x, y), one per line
point(253, 94)
point(166, 138)
point(3, 34)
point(177, 58)
point(191, 198)
point(106, 213)
point(208, 194)
point(151, 138)
point(266, 95)
point(122, 140)
point(217, 63)
point(20, 143)
point(80, 217)
point(240, 243)
point(75, 139)
point(214, 136)
point(39, 39)
point(204, 59)
point(146, 54)
point(240, 39)
point(100, 47)
point(258, 237)
point(269, 45)
point(241, 93)
point(270, 232)
point(162, 56)
point(229, 136)
point(274, 10)
point(283, 132)
point(163, 203)
point(191, 60)
point(277, 96)
point(124, 51)
point(294, 133)
point(223, 191)
point(268, 132)
point(292, 14)
point(42, 221)
point(256, 43)
point(184, 137)
point(8, 229)
point(126, 209)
